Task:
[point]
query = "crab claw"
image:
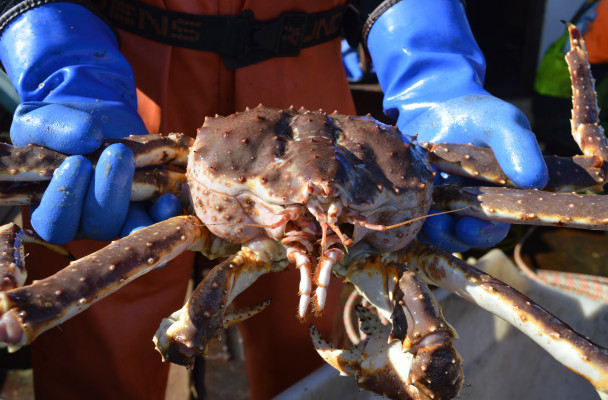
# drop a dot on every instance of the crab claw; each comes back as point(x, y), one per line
point(185, 334)
point(431, 370)
point(411, 359)
point(180, 341)
point(376, 364)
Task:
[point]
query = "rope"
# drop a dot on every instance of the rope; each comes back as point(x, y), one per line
point(591, 286)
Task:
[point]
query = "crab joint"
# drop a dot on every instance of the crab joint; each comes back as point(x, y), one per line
point(186, 333)
point(33, 309)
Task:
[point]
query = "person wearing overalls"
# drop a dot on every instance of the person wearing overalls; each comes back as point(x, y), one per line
point(86, 71)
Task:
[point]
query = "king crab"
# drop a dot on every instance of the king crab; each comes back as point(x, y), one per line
point(325, 192)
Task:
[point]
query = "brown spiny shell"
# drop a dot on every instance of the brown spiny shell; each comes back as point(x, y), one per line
point(271, 159)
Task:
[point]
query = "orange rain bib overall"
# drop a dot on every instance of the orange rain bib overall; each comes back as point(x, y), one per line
point(106, 352)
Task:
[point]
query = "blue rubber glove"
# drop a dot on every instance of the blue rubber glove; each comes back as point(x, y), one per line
point(142, 214)
point(431, 71)
point(350, 61)
point(83, 202)
point(76, 89)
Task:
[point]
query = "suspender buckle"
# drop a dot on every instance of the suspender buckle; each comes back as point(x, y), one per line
point(281, 37)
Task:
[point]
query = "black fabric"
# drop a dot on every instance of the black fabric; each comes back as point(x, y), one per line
point(355, 18)
point(241, 40)
point(373, 17)
point(6, 4)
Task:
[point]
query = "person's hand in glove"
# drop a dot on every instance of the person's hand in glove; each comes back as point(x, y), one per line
point(431, 71)
point(76, 89)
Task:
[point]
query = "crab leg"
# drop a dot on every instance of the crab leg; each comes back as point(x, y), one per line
point(532, 207)
point(329, 258)
point(147, 184)
point(34, 163)
point(415, 359)
point(185, 334)
point(26, 170)
point(566, 174)
point(376, 280)
point(302, 262)
point(12, 265)
point(30, 310)
point(12, 270)
point(558, 339)
point(378, 365)
point(587, 132)
point(587, 172)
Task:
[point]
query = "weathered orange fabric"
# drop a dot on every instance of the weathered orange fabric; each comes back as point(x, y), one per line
point(106, 352)
point(596, 36)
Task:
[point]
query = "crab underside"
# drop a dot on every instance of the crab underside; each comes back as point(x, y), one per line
point(330, 194)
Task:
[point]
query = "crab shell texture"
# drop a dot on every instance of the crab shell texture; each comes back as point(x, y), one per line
point(253, 172)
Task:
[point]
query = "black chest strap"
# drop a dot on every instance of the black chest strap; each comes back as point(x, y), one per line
point(241, 40)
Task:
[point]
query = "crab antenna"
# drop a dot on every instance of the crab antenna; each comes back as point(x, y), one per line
point(375, 227)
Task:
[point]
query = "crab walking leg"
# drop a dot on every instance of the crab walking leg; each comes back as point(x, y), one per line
point(185, 334)
point(155, 149)
point(12, 269)
point(531, 207)
point(328, 259)
point(566, 174)
point(587, 132)
point(415, 359)
point(12, 264)
point(147, 184)
point(302, 261)
point(558, 339)
point(30, 310)
point(375, 279)
point(578, 173)
point(34, 163)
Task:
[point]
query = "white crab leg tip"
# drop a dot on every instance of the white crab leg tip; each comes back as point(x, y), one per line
point(323, 276)
point(321, 297)
point(302, 262)
point(303, 305)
